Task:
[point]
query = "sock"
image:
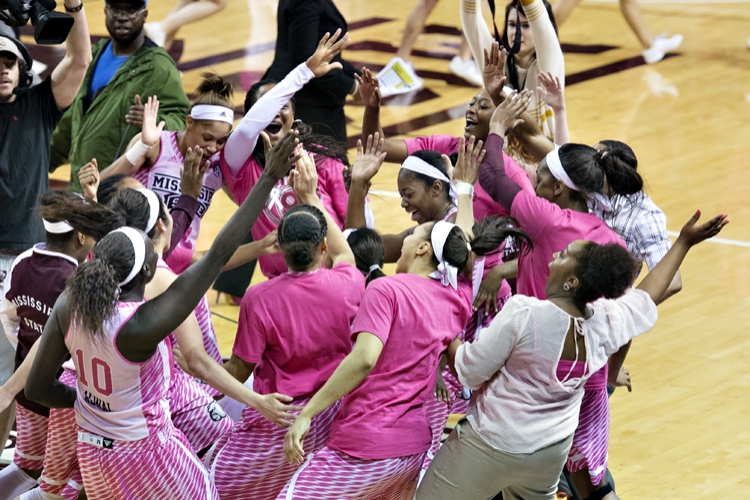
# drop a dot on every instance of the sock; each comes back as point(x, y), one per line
point(38, 494)
point(14, 481)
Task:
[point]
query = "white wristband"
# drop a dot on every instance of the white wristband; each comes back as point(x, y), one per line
point(137, 152)
point(464, 188)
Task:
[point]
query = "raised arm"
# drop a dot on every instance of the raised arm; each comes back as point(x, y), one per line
point(304, 179)
point(475, 29)
point(241, 143)
point(42, 385)
point(548, 50)
point(552, 91)
point(68, 76)
point(659, 278)
point(465, 176)
point(366, 165)
point(369, 91)
point(140, 336)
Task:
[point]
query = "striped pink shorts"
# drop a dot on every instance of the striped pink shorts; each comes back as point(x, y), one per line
point(591, 438)
point(160, 467)
point(439, 411)
point(331, 474)
point(255, 447)
point(31, 439)
point(195, 413)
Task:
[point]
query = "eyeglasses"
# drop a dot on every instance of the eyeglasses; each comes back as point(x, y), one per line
point(127, 13)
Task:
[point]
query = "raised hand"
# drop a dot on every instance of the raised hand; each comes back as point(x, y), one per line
point(88, 177)
point(691, 234)
point(369, 88)
point(552, 91)
point(281, 157)
point(368, 160)
point(150, 131)
point(493, 73)
point(135, 113)
point(304, 178)
point(508, 113)
point(328, 47)
point(470, 156)
point(191, 180)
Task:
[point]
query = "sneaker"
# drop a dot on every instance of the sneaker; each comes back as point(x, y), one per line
point(748, 42)
point(156, 33)
point(398, 77)
point(467, 70)
point(660, 47)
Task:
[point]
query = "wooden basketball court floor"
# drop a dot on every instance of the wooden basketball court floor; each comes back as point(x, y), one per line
point(684, 431)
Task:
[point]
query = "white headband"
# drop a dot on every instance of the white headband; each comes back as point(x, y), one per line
point(556, 169)
point(139, 248)
point(211, 112)
point(422, 167)
point(61, 227)
point(153, 205)
point(348, 231)
point(446, 273)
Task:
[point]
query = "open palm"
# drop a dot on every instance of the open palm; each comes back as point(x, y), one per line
point(328, 48)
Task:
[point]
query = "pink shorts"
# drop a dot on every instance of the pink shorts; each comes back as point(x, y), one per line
point(332, 474)
point(61, 475)
point(439, 411)
point(156, 468)
point(591, 438)
point(196, 413)
point(256, 447)
point(31, 439)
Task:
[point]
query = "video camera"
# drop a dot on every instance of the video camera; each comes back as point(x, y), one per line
point(50, 27)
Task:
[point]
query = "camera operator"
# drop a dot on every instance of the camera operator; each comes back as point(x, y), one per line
point(28, 116)
point(108, 111)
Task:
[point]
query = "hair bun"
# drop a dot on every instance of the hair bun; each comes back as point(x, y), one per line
point(213, 83)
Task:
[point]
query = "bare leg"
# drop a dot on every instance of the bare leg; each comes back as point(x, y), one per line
point(562, 10)
point(632, 14)
point(414, 26)
point(187, 12)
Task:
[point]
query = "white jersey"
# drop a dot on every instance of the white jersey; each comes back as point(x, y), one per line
point(117, 398)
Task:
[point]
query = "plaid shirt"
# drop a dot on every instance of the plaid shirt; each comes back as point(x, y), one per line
point(638, 221)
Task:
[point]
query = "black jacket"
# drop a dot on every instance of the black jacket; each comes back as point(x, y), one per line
point(301, 25)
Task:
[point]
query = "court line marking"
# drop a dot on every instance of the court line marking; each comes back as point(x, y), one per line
point(674, 234)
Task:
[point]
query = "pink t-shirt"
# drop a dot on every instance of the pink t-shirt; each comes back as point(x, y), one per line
point(551, 229)
point(484, 205)
point(417, 319)
point(288, 327)
point(331, 190)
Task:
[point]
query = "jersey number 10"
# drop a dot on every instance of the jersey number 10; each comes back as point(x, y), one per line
point(98, 368)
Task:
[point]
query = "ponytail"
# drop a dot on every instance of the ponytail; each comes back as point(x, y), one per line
point(369, 252)
point(93, 289)
point(214, 90)
point(86, 217)
point(134, 208)
point(620, 168)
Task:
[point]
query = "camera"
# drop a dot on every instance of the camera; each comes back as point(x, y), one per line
point(50, 27)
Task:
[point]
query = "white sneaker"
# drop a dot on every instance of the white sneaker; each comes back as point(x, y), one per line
point(398, 77)
point(660, 47)
point(156, 33)
point(748, 42)
point(467, 70)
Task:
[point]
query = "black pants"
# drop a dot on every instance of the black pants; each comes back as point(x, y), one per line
point(235, 281)
point(324, 120)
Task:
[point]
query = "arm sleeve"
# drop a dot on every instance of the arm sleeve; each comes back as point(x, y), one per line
point(481, 360)
point(182, 214)
point(376, 312)
point(492, 176)
point(631, 315)
point(250, 342)
point(548, 50)
point(241, 143)
point(475, 30)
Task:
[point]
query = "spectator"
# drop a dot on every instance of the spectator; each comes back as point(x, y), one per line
point(28, 117)
point(107, 112)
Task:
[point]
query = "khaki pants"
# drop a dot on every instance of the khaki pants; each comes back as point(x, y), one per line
point(468, 468)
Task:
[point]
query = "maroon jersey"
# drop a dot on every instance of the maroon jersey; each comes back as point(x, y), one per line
point(33, 284)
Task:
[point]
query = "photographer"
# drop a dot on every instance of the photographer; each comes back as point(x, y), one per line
point(108, 112)
point(28, 116)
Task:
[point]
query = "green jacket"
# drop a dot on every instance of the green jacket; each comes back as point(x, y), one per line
point(101, 132)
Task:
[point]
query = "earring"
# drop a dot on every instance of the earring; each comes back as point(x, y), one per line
point(566, 287)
